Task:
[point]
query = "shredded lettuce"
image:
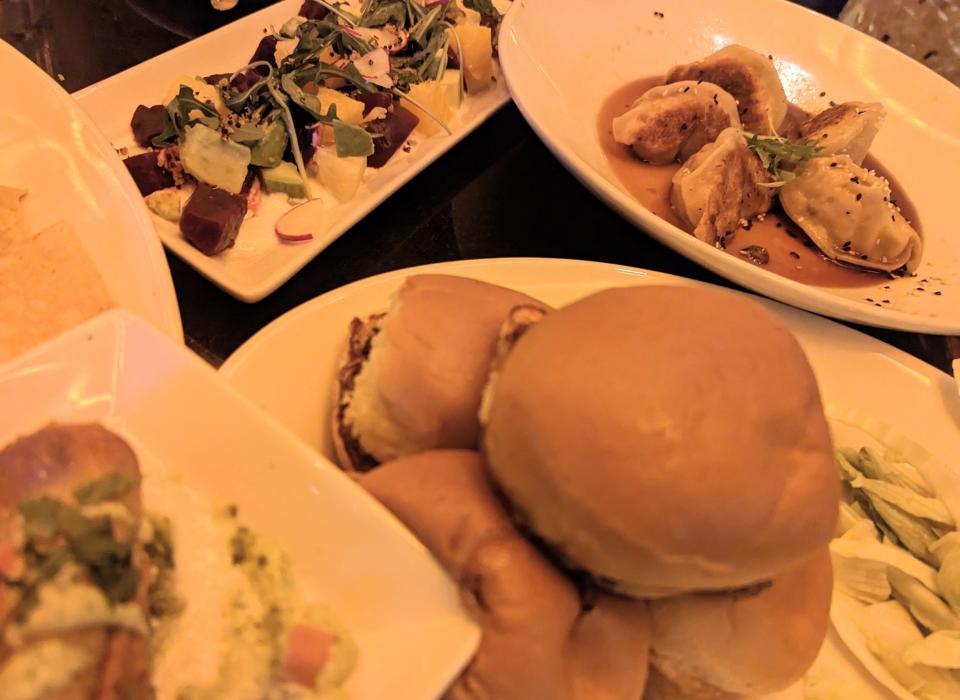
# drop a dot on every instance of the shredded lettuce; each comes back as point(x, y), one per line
point(889, 631)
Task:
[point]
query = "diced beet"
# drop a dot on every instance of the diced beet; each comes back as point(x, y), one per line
point(304, 138)
point(147, 173)
point(245, 80)
point(265, 51)
point(374, 99)
point(313, 10)
point(395, 128)
point(212, 218)
point(216, 78)
point(148, 123)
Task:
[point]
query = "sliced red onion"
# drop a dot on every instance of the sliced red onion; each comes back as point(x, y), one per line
point(299, 224)
point(298, 238)
point(375, 67)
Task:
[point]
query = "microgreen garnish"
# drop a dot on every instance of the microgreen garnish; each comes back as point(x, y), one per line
point(780, 156)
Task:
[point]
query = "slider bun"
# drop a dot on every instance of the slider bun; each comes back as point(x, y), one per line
point(537, 640)
point(664, 439)
point(420, 387)
point(712, 645)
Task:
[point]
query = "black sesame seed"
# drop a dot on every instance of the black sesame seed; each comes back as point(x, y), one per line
point(921, 289)
point(847, 245)
point(686, 89)
point(832, 103)
point(779, 224)
point(885, 301)
point(929, 54)
point(683, 127)
point(823, 94)
point(834, 164)
point(715, 100)
point(859, 196)
point(658, 15)
point(795, 255)
point(855, 180)
point(885, 38)
point(938, 293)
point(864, 257)
point(869, 299)
point(876, 304)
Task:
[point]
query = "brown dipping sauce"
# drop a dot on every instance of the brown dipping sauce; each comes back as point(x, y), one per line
point(791, 253)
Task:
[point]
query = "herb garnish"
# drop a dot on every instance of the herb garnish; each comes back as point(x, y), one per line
point(112, 487)
point(56, 533)
point(780, 156)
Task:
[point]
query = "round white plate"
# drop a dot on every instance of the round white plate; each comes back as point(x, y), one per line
point(49, 147)
point(288, 369)
point(563, 58)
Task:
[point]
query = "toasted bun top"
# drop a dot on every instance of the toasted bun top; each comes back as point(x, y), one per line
point(665, 439)
point(421, 385)
point(744, 644)
point(537, 640)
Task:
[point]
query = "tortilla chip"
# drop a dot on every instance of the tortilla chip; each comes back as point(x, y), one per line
point(47, 285)
point(13, 229)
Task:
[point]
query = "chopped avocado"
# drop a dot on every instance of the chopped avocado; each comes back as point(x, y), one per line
point(214, 160)
point(165, 204)
point(268, 151)
point(284, 178)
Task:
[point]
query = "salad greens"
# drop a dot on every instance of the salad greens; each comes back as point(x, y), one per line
point(898, 552)
point(330, 81)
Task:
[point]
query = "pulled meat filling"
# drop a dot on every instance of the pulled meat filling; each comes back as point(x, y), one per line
point(361, 337)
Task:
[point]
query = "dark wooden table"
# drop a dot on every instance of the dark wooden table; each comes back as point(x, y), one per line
point(498, 193)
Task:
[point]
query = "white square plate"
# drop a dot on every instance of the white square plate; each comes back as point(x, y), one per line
point(348, 552)
point(259, 262)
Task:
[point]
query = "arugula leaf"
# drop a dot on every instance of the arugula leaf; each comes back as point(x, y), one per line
point(351, 140)
point(386, 13)
point(420, 29)
point(307, 102)
point(112, 487)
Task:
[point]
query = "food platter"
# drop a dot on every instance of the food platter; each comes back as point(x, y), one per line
point(399, 605)
point(560, 93)
point(51, 149)
point(855, 372)
point(259, 262)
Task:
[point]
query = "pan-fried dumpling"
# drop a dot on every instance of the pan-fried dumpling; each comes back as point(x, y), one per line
point(747, 75)
point(671, 122)
point(845, 128)
point(846, 210)
point(719, 186)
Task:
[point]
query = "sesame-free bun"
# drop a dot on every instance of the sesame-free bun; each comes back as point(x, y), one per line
point(411, 378)
point(539, 642)
point(708, 646)
point(665, 440)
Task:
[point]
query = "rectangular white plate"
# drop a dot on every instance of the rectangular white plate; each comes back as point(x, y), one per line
point(259, 262)
point(348, 552)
